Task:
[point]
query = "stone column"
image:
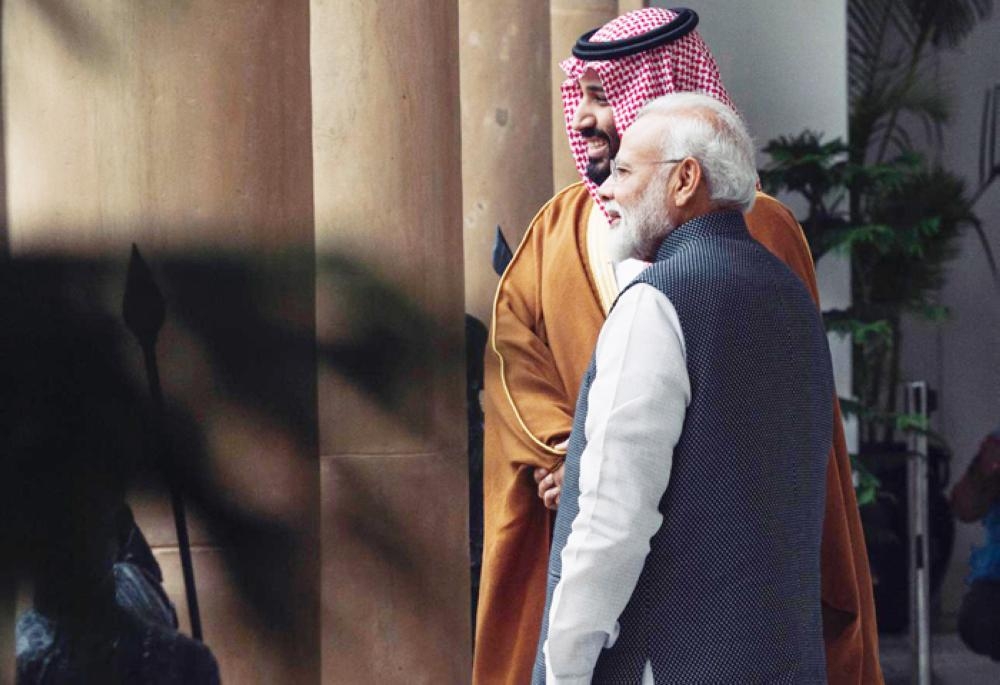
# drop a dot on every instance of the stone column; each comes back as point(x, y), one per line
point(570, 18)
point(7, 583)
point(185, 127)
point(506, 132)
point(629, 5)
point(3, 170)
point(392, 427)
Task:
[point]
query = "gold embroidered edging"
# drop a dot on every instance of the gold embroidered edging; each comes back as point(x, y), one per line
point(493, 328)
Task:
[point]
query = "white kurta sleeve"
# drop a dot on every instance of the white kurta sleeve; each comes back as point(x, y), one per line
point(636, 408)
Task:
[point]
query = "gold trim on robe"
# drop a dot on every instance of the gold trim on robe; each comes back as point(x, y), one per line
point(602, 267)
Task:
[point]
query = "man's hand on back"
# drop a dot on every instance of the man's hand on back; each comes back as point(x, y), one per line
point(550, 482)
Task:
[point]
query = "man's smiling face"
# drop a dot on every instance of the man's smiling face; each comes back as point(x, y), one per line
point(637, 194)
point(595, 121)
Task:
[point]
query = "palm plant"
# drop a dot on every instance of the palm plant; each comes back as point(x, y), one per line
point(896, 213)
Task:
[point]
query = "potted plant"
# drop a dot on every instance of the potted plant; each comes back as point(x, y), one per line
point(896, 214)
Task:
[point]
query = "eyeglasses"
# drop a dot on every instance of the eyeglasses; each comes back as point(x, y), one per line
point(617, 172)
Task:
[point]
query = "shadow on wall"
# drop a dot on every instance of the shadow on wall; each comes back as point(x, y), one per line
point(76, 30)
point(239, 360)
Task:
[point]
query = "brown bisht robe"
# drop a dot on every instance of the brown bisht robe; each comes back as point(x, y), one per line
point(546, 318)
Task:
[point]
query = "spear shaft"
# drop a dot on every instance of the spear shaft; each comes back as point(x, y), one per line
point(144, 311)
point(176, 501)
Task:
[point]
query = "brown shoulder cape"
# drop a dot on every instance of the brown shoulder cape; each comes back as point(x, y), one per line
point(546, 318)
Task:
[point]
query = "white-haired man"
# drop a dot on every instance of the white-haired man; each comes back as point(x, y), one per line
point(714, 579)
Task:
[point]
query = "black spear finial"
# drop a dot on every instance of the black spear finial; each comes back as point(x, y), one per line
point(145, 310)
point(501, 253)
point(143, 306)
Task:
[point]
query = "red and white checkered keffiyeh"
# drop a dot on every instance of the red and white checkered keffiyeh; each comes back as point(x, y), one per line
point(630, 82)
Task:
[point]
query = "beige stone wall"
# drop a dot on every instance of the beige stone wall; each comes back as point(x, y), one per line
point(388, 198)
point(506, 131)
point(629, 5)
point(186, 128)
point(570, 19)
point(3, 168)
point(155, 115)
point(291, 171)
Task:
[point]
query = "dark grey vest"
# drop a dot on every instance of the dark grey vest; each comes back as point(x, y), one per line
point(730, 589)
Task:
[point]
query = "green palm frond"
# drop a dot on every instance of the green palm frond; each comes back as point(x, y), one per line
point(878, 236)
point(947, 22)
point(926, 214)
point(862, 332)
point(876, 199)
point(924, 99)
point(866, 485)
point(868, 22)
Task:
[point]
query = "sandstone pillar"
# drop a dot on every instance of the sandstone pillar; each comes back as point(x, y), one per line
point(570, 18)
point(506, 132)
point(185, 127)
point(392, 431)
point(8, 585)
point(629, 5)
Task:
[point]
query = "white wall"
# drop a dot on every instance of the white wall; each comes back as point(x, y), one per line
point(784, 63)
point(961, 357)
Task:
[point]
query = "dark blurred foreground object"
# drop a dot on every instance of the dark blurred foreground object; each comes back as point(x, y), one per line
point(977, 497)
point(887, 530)
point(476, 336)
point(73, 432)
point(475, 348)
point(129, 634)
point(144, 311)
point(122, 648)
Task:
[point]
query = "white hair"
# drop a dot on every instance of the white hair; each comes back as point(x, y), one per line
point(712, 133)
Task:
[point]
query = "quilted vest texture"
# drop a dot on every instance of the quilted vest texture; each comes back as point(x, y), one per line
point(730, 589)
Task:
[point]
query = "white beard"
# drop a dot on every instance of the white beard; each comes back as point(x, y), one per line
point(641, 228)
